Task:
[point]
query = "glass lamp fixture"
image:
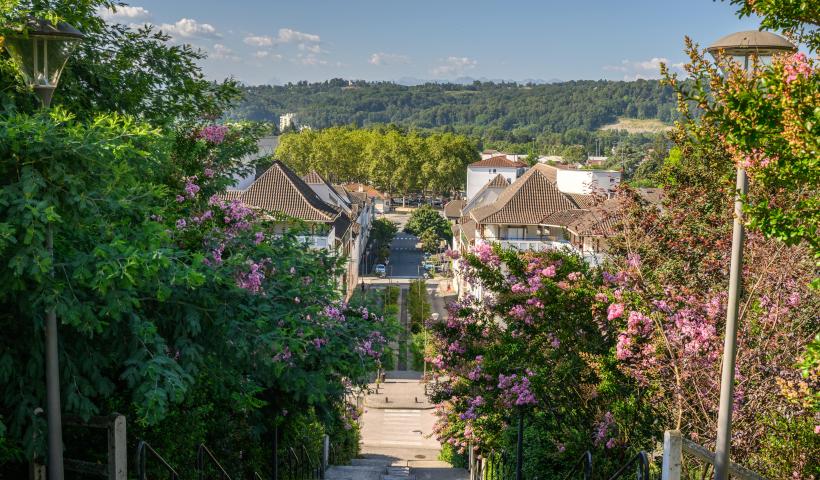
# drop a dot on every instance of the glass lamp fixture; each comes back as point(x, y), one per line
point(745, 47)
point(41, 52)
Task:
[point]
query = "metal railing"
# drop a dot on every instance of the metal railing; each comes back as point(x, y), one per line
point(299, 464)
point(143, 449)
point(641, 464)
point(204, 457)
point(586, 462)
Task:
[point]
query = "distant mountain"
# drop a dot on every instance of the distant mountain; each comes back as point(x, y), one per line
point(507, 111)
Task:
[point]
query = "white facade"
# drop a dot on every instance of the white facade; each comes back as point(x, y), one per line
point(477, 177)
point(586, 181)
point(286, 121)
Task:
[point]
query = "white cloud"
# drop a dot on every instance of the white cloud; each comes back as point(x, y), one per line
point(123, 12)
point(267, 54)
point(187, 28)
point(310, 59)
point(453, 66)
point(312, 48)
point(221, 52)
point(259, 40)
point(288, 35)
point(643, 69)
point(382, 58)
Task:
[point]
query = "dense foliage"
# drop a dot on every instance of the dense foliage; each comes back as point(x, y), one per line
point(494, 111)
point(181, 310)
point(389, 158)
point(532, 346)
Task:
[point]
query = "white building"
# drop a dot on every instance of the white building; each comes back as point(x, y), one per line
point(286, 121)
point(574, 180)
point(482, 172)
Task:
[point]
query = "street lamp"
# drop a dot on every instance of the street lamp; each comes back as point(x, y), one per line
point(40, 53)
point(747, 49)
point(434, 316)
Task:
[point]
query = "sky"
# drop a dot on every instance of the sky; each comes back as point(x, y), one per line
point(275, 42)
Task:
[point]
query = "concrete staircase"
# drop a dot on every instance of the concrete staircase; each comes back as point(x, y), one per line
point(369, 469)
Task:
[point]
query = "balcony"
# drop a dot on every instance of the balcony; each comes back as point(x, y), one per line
point(314, 241)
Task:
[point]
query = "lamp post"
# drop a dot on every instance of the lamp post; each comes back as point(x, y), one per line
point(40, 53)
point(748, 49)
point(434, 316)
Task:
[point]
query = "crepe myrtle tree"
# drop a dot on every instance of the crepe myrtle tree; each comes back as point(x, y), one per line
point(531, 346)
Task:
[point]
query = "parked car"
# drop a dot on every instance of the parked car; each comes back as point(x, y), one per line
point(380, 269)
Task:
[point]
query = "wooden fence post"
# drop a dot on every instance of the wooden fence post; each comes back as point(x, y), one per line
point(672, 452)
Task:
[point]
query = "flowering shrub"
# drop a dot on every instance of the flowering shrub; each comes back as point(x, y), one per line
point(531, 347)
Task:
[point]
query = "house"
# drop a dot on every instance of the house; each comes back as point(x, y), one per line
point(533, 213)
point(596, 161)
point(381, 201)
point(483, 171)
point(321, 223)
point(266, 146)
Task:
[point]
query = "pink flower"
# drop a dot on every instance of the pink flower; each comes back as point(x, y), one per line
point(614, 311)
point(259, 237)
point(181, 223)
point(797, 66)
point(180, 198)
point(610, 443)
point(548, 272)
point(209, 173)
point(214, 134)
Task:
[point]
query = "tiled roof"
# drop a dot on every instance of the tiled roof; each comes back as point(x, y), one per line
point(279, 189)
point(563, 218)
point(549, 171)
point(468, 230)
point(499, 181)
point(313, 178)
point(597, 221)
point(582, 200)
point(356, 197)
point(230, 194)
point(527, 201)
point(500, 161)
point(452, 209)
point(368, 189)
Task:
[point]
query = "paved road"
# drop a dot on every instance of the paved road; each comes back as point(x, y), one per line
point(405, 259)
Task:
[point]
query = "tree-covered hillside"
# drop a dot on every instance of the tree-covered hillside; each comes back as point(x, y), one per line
point(494, 111)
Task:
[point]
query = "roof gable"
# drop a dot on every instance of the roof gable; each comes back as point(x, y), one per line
point(499, 161)
point(527, 201)
point(280, 190)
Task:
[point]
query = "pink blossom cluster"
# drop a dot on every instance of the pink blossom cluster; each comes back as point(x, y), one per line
point(516, 389)
point(214, 134)
point(485, 254)
point(252, 279)
point(796, 66)
point(757, 158)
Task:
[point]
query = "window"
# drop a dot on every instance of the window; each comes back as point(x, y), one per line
point(492, 170)
point(515, 233)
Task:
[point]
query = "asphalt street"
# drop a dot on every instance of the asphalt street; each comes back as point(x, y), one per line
point(405, 258)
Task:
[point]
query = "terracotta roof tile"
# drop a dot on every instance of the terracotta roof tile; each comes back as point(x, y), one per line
point(563, 218)
point(452, 209)
point(499, 181)
point(313, 178)
point(280, 190)
point(527, 201)
point(499, 161)
point(582, 200)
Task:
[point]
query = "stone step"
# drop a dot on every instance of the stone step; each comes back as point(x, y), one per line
point(398, 477)
point(373, 462)
point(354, 472)
point(398, 471)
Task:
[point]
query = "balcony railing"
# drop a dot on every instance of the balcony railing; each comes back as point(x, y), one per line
point(534, 243)
point(314, 241)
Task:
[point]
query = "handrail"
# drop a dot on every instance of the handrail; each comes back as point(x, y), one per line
point(313, 467)
point(642, 460)
point(202, 454)
point(142, 448)
point(586, 461)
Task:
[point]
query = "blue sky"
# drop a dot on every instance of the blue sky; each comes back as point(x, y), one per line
point(271, 41)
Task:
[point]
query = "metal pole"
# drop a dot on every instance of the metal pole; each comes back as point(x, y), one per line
point(275, 469)
point(54, 416)
point(724, 433)
point(519, 451)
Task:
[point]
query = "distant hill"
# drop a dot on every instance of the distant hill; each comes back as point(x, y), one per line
point(495, 111)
